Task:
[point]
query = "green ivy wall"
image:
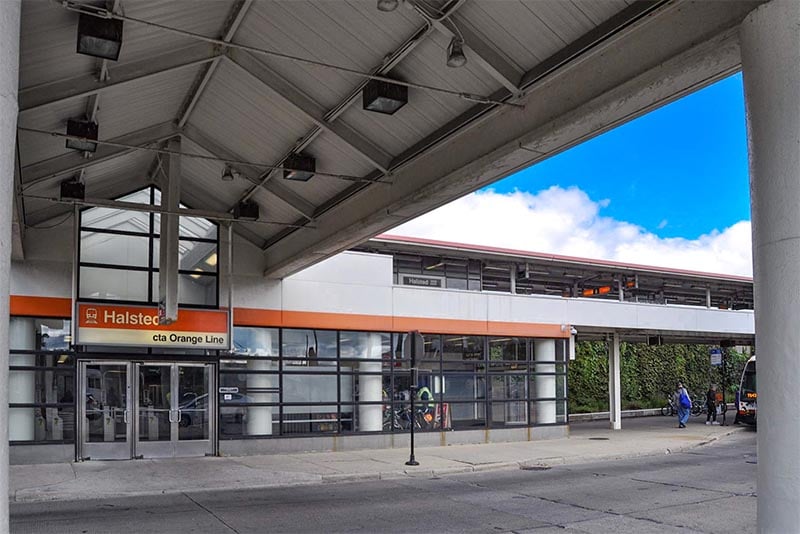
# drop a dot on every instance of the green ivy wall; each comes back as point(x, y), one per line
point(648, 374)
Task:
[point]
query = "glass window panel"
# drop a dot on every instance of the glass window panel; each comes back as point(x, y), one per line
point(41, 424)
point(433, 346)
point(467, 348)
point(195, 409)
point(113, 249)
point(509, 386)
point(192, 255)
point(310, 419)
point(365, 345)
point(507, 349)
point(33, 333)
point(464, 387)
point(509, 413)
point(466, 415)
point(305, 347)
point(116, 219)
point(113, 284)
point(256, 341)
point(309, 387)
point(196, 289)
point(456, 283)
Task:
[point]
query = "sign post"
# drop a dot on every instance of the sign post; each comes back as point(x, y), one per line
point(413, 346)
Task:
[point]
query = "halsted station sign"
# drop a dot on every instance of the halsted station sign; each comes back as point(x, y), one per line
point(99, 324)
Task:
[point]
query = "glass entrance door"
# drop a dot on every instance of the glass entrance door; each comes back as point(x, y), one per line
point(174, 410)
point(105, 422)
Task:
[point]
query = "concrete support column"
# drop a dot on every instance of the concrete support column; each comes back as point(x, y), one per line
point(614, 384)
point(370, 387)
point(770, 45)
point(260, 387)
point(544, 350)
point(9, 82)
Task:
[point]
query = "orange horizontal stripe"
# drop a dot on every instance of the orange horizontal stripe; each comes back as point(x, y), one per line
point(40, 306)
point(254, 317)
point(385, 323)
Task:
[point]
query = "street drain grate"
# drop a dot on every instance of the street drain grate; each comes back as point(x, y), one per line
point(600, 439)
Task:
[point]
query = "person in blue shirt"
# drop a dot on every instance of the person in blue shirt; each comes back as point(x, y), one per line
point(685, 407)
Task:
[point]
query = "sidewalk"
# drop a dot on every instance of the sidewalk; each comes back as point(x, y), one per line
point(587, 442)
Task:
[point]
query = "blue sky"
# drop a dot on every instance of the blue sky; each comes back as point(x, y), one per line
point(684, 163)
point(668, 189)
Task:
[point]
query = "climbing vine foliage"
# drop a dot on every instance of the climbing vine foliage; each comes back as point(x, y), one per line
point(648, 374)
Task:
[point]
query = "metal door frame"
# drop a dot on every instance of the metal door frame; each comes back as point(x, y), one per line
point(103, 450)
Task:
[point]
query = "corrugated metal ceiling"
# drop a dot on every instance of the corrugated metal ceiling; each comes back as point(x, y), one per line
point(245, 119)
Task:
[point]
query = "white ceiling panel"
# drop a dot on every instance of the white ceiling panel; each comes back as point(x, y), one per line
point(352, 34)
point(143, 103)
point(206, 17)
point(48, 39)
point(237, 113)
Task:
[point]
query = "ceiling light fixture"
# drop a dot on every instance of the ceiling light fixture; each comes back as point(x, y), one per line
point(99, 37)
point(455, 53)
point(388, 5)
point(247, 210)
point(227, 174)
point(384, 97)
point(299, 167)
point(73, 190)
point(86, 131)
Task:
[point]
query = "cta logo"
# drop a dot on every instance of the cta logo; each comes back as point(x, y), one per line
point(91, 315)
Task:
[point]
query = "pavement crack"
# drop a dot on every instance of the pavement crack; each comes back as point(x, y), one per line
point(215, 516)
point(687, 486)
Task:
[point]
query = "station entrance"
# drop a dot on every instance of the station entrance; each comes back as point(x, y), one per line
point(145, 409)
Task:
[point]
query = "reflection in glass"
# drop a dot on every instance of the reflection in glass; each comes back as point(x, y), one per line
point(193, 408)
point(155, 395)
point(106, 403)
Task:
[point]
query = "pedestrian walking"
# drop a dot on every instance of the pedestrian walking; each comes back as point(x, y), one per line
point(711, 405)
point(684, 404)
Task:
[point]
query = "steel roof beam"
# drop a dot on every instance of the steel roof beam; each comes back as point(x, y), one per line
point(232, 24)
point(484, 54)
point(40, 96)
point(75, 162)
point(292, 199)
point(314, 112)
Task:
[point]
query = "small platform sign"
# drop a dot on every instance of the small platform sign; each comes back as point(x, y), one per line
point(716, 357)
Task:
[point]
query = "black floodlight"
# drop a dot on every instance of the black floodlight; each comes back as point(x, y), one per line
point(455, 53)
point(87, 130)
point(73, 190)
point(227, 174)
point(384, 97)
point(299, 167)
point(246, 210)
point(99, 37)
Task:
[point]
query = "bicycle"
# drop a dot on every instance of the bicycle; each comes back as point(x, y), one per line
point(699, 405)
point(669, 409)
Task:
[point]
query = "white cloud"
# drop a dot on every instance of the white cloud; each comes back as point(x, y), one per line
point(568, 222)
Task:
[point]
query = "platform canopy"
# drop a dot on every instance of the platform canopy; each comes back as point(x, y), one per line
point(270, 100)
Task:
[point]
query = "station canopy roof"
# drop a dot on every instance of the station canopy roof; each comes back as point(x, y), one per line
point(269, 98)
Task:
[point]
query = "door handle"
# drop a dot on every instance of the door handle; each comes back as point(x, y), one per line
point(170, 416)
point(180, 416)
point(125, 416)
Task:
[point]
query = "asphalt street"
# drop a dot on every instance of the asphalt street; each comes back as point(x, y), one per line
point(709, 489)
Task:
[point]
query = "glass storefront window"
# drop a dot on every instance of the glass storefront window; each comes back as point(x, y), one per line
point(322, 382)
